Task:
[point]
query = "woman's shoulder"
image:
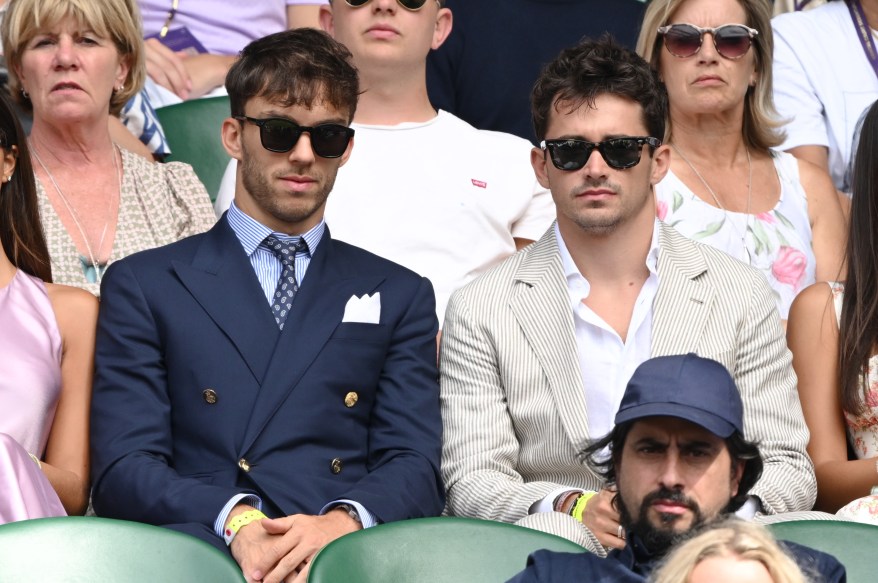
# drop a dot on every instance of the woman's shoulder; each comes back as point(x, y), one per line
point(142, 167)
point(814, 299)
point(75, 309)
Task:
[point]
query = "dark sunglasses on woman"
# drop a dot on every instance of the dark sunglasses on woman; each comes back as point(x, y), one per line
point(328, 140)
point(618, 153)
point(412, 5)
point(732, 41)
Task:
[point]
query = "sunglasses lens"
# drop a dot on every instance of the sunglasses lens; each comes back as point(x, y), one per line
point(682, 40)
point(621, 152)
point(279, 135)
point(732, 41)
point(412, 4)
point(407, 4)
point(330, 140)
point(569, 154)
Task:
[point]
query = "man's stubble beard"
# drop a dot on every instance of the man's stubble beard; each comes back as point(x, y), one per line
point(260, 190)
point(660, 540)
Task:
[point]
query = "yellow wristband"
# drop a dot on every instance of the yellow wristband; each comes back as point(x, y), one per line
point(579, 507)
point(239, 521)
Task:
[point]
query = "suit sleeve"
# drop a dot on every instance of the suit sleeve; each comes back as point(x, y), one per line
point(480, 449)
point(405, 431)
point(772, 411)
point(131, 437)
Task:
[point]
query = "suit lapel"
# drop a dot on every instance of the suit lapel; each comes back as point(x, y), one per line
point(541, 305)
point(222, 280)
point(684, 300)
point(317, 311)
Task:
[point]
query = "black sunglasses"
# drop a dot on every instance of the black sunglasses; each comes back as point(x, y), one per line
point(732, 41)
point(618, 153)
point(328, 140)
point(413, 5)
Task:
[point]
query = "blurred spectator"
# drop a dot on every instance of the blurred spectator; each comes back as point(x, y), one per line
point(47, 335)
point(423, 189)
point(728, 186)
point(826, 75)
point(73, 63)
point(484, 72)
point(833, 333)
point(733, 550)
point(781, 6)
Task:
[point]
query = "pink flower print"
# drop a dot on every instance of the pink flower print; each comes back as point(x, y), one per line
point(766, 218)
point(661, 209)
point(872, 396)
point(789, 267)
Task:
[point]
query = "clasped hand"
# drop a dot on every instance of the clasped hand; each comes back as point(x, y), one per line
point(270, 550)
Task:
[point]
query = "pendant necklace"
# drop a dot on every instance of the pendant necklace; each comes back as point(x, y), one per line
point(720, 205)
point(75, 216)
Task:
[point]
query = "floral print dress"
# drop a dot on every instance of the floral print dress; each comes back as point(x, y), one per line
point(777, 242)
point(862, 428)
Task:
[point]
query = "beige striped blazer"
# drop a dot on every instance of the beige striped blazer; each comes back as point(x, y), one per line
point(513, 406)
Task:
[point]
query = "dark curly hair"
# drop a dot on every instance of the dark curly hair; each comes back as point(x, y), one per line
point(592, 68)
point(295, 67)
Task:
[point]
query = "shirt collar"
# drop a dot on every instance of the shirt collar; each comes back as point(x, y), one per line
point(251, 233)
point(571, 273)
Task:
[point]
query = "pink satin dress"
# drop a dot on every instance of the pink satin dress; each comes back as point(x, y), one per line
point(30, 384)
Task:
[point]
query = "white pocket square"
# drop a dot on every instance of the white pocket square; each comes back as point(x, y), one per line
point(365, 310)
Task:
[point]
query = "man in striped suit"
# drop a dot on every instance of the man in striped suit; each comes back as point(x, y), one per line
point(536, 353)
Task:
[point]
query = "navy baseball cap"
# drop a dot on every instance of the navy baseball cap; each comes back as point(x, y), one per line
point(686, 386)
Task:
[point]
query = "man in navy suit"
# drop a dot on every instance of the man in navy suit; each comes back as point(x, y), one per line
point(264, 367)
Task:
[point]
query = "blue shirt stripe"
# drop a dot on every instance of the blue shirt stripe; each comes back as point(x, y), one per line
point(251, 233)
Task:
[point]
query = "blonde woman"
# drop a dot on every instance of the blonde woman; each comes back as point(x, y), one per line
point(728, 185)
point(732, 551)
point(74, 63)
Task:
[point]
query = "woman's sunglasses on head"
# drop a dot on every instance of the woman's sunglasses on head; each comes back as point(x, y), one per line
point(732, 41)
point(618, 153)
point(328, 140)
point(412, 5)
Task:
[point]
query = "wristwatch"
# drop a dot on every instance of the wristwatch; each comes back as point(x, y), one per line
point(352, 512)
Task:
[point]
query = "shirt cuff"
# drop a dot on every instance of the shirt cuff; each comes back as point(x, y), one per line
point(547, 502)
point(749, 509)
point(367, 519)
point(220, 525)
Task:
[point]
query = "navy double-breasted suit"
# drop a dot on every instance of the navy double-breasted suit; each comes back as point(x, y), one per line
point(199, 396)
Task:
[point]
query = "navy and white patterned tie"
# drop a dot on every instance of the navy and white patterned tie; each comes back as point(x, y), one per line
point(287, 285)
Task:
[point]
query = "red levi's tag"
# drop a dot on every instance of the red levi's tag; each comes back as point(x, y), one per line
point(479, 183)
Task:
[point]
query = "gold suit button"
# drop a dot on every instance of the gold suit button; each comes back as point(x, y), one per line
point(350, 399)
point(335, 466)
point(244, 464)
point(209, 396)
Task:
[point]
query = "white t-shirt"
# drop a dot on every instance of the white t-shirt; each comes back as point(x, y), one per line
point(823, 81)
point(439, 197)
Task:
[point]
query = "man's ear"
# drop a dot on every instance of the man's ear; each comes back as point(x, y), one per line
point(325, 17)
point(443, 27)
point(539, 159)
point(231, 137)
point(661, 163)
point(737, 474)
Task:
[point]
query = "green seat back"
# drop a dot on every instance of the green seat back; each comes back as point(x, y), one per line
point(434, 550)
point(193, 129)
point(854, 544)
point(78, 549)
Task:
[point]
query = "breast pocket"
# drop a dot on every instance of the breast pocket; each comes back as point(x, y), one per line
point(362, 332)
